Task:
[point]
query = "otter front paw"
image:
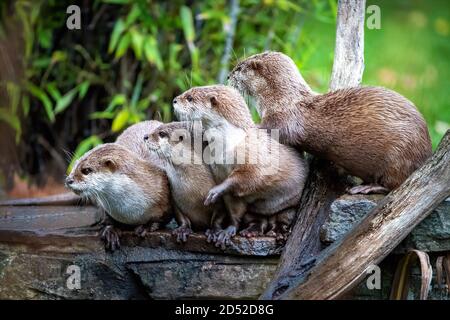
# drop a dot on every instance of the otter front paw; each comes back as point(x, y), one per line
point(140, 231)
point(224, 237)
point(182, 233)
point(111, 237)
point(251, 231)
point(214, 194)
point(280, 233)
point(211, 235)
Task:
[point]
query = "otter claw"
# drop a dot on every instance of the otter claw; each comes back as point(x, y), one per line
point(214, 194)
point(140, 231)
point(224, 237)
point(182, 233)
point(111, 237)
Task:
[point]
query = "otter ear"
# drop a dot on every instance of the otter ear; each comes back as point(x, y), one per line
point(214, 101)
point(110, 164)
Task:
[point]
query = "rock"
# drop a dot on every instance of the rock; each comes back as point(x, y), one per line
point(39, 244)
point(346, 211)
point(432, 234)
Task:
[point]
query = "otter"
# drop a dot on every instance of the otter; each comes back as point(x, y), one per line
point(130, 189)
point(372, 132)
point(189, 177)
point(132, 139)
point(267, 188)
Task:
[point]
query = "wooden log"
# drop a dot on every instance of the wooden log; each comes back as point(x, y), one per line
point(324, 184)
point(343, 265)
point(61, 199)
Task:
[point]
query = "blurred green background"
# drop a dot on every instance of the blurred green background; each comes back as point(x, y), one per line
point(64, 91)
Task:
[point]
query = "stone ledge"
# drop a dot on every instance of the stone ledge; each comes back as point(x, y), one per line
point(432, 234)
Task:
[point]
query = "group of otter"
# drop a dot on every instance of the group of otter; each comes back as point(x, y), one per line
point(371, 132)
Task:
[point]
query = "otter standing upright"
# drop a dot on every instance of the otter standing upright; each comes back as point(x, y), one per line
point(270, 186)
point(372, 132)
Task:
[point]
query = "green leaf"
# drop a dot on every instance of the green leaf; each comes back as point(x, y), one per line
point(151, 52)
point(143, 104)
point(137, 91)
point(45, 38)
point(123, 45)
point(13, 121)
point(135, 12)
point(117, 100)
point(120, 120)
point(137, 42)
point(119, 27)
point(58, 56)
point(102, 115)
point(42, 96)
point(83, 147)
point(53, 90)
point(187, 23)
point(65, 100)
point(83, 88)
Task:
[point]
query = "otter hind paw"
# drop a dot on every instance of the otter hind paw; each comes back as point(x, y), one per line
point(368, 189)
point(224, 237)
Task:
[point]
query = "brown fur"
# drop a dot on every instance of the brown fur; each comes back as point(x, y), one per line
point(114, 159)
point(372, 132)
point(132, 138)
point(264, 192)
point(189, 182)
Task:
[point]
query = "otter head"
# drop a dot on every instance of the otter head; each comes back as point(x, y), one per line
point(169, 141)
point(213, 105)
point(268, 75)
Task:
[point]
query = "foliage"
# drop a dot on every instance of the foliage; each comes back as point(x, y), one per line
point(133, 56)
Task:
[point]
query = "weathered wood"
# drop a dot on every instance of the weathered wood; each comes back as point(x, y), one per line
point(348, 65)
point(343, 264)
point(324, 184)
point(61, 199)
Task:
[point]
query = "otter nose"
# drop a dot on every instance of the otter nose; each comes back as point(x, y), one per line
point(146, 137)
point(175, 101)
point(69, 181)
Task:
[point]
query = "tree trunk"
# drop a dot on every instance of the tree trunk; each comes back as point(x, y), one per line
point(343, 265)
point(348, 65)
point(324, 184)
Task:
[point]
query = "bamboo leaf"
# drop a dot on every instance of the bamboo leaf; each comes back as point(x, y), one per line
point(120, 120)
point(42, 96)
point(123, 45)
point(83, 88)
point(137, 42)
point(151, 52)
point(187, 23)
point(65, 100)
point(119, 27)
point(117, 100)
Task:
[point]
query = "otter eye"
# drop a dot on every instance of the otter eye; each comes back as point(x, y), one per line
point(86, 171)
point(181, 138)
point(163, 134)
point(189, 98)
